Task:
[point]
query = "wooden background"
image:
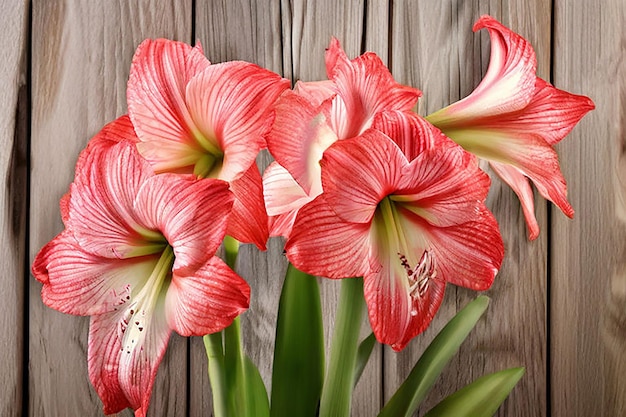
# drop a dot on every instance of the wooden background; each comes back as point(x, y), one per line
point(558, 305)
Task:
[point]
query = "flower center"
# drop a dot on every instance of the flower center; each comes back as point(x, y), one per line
point(146, 303)
point(402, 242)
point(209, 164)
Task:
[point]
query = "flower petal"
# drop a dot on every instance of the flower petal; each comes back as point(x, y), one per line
point(315, 92)
point(191, 214)
point(206, 301)
point(248, 221)
point(231, 104)
point(365, 87)
point(281, 192)
point(322, 244)
point(124, 374)
point(519, 183)
point(357, 173)
point(159, 74)
point(77, 282)
point(101, 213)
point(299, 136)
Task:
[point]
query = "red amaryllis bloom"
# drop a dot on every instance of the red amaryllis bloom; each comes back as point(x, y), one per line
point(406, 226)
point(209, 120)
point(513, 118)
point(137, 255)
point(314, 116)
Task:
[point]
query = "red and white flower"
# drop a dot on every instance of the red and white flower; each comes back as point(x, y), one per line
point(513, 119)
point(134, 259)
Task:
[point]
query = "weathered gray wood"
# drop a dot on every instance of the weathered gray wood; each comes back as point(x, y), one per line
point(81, 60)
point(14, 114)
point(434, 49)
point(588, 328)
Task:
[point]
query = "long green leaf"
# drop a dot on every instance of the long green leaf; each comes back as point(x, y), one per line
point(257, 403)
point(481, 398)
point(428, 368)
point(298, 371)
point(363, 355)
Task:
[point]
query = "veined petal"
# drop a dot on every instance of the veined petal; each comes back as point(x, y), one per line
point(470, 254)
point(551, 114)
point(119, 130)
point(321, 243)
point(529, 153)
point(443, 186)
point(365, 87)
point(520, 185)
point(191, 214)
point(248, 221)
point(101, 213)
point(282, 193)
point(315, 92)
point(357, 173)
point(77, 282)
point(206, 301)
point(508, 85)
point(159, 74)
point(299, 136)
point(231, 104)
point(124, 373)
point(395, 317)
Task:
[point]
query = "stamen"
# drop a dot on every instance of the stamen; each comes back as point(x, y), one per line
point(419, 277)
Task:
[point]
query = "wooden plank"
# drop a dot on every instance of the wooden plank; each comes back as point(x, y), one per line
point(14, 117)
point(81, 59)
point(588, 330)
point(434, 49)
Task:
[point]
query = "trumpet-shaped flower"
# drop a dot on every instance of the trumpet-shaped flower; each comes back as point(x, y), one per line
point(317, 114)
point(406, 226)
point(513, 119)
point(209, 120)
point(137, 255)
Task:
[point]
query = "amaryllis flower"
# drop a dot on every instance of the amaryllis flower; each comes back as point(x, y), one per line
point(315, 115)
point(209, 120)
point(406, 226)
point(137, 255)
point(513, 119)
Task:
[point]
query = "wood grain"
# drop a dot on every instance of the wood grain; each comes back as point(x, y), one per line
point(81, 60)
point(14, 117)
point(434, 49)
point(588, 332)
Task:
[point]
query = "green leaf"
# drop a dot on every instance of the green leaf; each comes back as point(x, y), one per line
point(363, 355)
point(428, 368)
point(234, 368)
point(257, 403)
point(481, 398)
point(298, 372)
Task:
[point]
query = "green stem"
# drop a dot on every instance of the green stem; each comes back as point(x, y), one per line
point(337, 392)
point(217, 373)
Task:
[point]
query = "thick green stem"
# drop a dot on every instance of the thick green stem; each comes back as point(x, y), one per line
point(337, 392)
point(217, 373)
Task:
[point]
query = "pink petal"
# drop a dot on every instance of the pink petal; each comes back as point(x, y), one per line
point(365, 87)
point(552, 114)
point(299, 136)
point(444, 186)
point(322, 244)
point(395, 317)
point(232, 104)
point(469, 254)
point(119, 130)
point(124, 373)
point(191, 214)
point(357, 173)
point(281, 192)
point(519, 183)
point(77, 282)
point(248, 221)
point(101, 211)
point(206, 301)
point(507, 86)
point(159, 75)
point(315, 92)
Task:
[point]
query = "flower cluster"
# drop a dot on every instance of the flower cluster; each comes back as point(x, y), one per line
point(361, 186)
